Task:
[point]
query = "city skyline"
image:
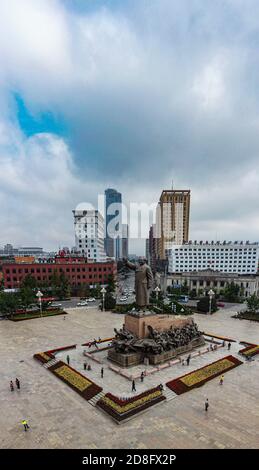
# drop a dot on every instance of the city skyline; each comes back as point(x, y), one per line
point(120, 94)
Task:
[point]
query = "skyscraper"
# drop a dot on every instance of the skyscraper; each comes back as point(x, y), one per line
point(113, 223)
point(89, 234)
point(174, 217)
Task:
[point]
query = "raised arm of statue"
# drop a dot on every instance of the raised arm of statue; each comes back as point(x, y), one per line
point(130, 265)
point(149, 278)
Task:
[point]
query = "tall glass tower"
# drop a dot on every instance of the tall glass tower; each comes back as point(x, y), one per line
point(113, 223)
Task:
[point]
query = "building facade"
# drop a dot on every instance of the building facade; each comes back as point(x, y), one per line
point(203, 281)
point(89, 234)
point(78, 270)
point(173, 219)
point(113, 223)
point(226, 257)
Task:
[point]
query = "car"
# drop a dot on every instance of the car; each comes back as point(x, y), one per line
point(91, 299)
point(82, 304)
point(220, 304)
point(55, 304)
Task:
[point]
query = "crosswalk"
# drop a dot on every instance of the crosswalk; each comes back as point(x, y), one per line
point(169, 394)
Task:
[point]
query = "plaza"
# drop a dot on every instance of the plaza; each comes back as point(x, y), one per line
point(60, 418)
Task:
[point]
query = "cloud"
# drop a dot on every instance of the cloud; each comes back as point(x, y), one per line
point(149, 91)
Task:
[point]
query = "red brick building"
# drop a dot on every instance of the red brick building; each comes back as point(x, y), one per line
point(78, 270)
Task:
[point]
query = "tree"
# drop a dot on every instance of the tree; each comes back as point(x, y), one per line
point(27, 296)
point(64, 286)
point(232, 292)
point(111, 286)
point(9, 303)
point(204, 304)
point(29, 282)
point(253, 303)
point(109, 301)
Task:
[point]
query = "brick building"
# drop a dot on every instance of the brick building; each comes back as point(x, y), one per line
point(77, 269)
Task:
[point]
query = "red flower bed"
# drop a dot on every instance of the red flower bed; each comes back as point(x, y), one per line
point(199, 377)
point(121, 409)
point(63, 348)
point(74, 379)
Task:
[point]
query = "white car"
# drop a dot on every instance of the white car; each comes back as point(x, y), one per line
point(123, 299)
point(91, 299)
point(55, 304)
point(82, 304)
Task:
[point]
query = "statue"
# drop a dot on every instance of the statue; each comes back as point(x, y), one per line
point(143, 281)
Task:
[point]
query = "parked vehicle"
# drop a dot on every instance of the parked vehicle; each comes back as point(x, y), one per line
point(91, 299)
point(55, 304)
point(220, 304)
point(82, 304)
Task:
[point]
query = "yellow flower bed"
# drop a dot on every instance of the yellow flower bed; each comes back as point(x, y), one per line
point(249, 351)
point(81, 383)
point(45, 356)
point(129, 406)
point(206, 372)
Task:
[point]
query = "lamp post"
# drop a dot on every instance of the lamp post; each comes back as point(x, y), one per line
point(157, 290)
point(103, 292)
point(211, 294)
point(40, 295)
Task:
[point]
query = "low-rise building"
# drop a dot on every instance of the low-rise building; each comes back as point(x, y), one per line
point(203, 281)
point(78, 270)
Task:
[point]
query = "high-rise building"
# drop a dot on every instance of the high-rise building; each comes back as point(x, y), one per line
point(113, 223)
point(125, 241)
point(89, 234)
point(173, 219)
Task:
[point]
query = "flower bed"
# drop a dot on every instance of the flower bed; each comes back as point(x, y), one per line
point(63, 348)
point(78, 382)
point(92, 343)
point(250, 350)
point(121, 409)
point(43, 357)
point(223, 338)
point(31, 316)
point(204, 374)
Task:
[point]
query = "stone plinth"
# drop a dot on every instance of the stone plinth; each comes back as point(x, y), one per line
point(168, 355)
point(125, 360)
point(138, 324)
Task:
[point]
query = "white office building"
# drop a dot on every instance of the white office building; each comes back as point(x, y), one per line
point(89, 234)
point(227, 257)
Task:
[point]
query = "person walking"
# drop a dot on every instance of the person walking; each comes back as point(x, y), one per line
point(221, 380)
point(11, 386)
point(229, 346)
point(142, 376)
point(25, 424)
point(102, 372)
point(68, 359)
point(133, 388)
point(188, 360)
point(85, 365)
point(206, 404)
point(18, 385)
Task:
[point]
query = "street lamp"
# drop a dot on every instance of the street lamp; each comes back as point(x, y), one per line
point(211, 294)
point(157, 290)
point(40, 295)
point(103, 292)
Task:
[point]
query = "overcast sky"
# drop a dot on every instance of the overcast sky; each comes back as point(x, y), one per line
point(129, 94)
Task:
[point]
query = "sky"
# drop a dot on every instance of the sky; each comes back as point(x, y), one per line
point(129, 94)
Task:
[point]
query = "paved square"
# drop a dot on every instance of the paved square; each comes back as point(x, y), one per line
point(59, 418)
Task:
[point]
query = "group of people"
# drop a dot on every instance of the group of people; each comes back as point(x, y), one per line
point(18, 385)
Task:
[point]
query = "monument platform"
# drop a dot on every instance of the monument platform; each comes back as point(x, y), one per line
point(137, 323)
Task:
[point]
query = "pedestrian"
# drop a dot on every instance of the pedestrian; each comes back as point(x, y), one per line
point(99, 339)
point(11, 386)
point(188, 360)
point(223, 344)
point(25, 424)
point(142, 376)
point(64, 317)
point(133, 388)
point(102, 372)
point(182, 362)
point(161, 387)
point(17, 381)
point(221, 380)
point(85, 365)
point(229, 346)
point(89, 367)
point(68, 359)
point(206, 404)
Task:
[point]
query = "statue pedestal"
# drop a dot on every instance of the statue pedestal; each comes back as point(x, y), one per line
point(137, 323)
